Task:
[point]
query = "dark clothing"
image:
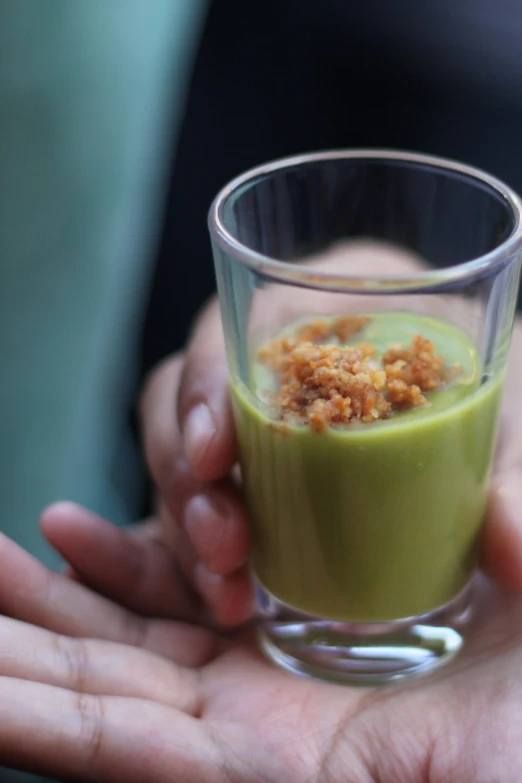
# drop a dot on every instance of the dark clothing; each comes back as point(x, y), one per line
point(278, 78)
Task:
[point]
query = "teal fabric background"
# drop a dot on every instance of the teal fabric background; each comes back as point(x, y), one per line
point(91, 95)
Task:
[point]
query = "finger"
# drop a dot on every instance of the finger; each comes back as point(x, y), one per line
point(212, 523)
point(95, 667)
point(164, 451)
point(32, 593)
point(204, 410)
point(177, 541)
point(55, 732)
point(501, 546)
point(217, 526)
point(133, 570)
point(229, 597)
point(160, 435)
point(508, 457)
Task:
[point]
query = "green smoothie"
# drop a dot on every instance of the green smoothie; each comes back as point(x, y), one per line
point(372, 522)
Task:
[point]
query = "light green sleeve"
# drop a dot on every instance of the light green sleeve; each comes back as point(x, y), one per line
point(91, 96)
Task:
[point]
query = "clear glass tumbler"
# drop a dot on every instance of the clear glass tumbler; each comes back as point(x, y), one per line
point(367, 301)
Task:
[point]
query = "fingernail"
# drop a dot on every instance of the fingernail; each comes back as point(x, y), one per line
point(198, 431)
point(200, 515)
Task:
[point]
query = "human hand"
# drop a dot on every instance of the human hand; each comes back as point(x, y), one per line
point(190, 449)
point(156, 700)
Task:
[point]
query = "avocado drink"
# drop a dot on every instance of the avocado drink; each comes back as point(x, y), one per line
point(371, 519)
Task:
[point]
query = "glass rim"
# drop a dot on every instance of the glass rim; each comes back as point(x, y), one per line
point(281, 271)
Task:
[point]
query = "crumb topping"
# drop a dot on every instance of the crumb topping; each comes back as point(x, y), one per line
point(322, 383)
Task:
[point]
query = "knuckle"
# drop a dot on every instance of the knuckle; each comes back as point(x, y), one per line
point(91, 717)
point(74, 661)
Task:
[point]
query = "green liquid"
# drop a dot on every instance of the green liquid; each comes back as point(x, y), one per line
point(373, 522)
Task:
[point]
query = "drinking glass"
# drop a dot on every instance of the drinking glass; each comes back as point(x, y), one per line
point(365, 534)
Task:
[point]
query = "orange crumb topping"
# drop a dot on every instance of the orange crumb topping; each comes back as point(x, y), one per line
point(342, 328)
point(324, 384)
point(276, 353)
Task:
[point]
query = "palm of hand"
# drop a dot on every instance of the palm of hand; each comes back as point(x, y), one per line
point(192, 705)
point(463, 724)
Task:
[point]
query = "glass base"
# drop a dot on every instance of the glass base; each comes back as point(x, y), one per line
point(364, 653)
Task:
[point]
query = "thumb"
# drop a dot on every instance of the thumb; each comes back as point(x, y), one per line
point(501, 548)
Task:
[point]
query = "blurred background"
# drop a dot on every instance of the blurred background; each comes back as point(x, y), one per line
point(91, 97)
point(119, 121)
